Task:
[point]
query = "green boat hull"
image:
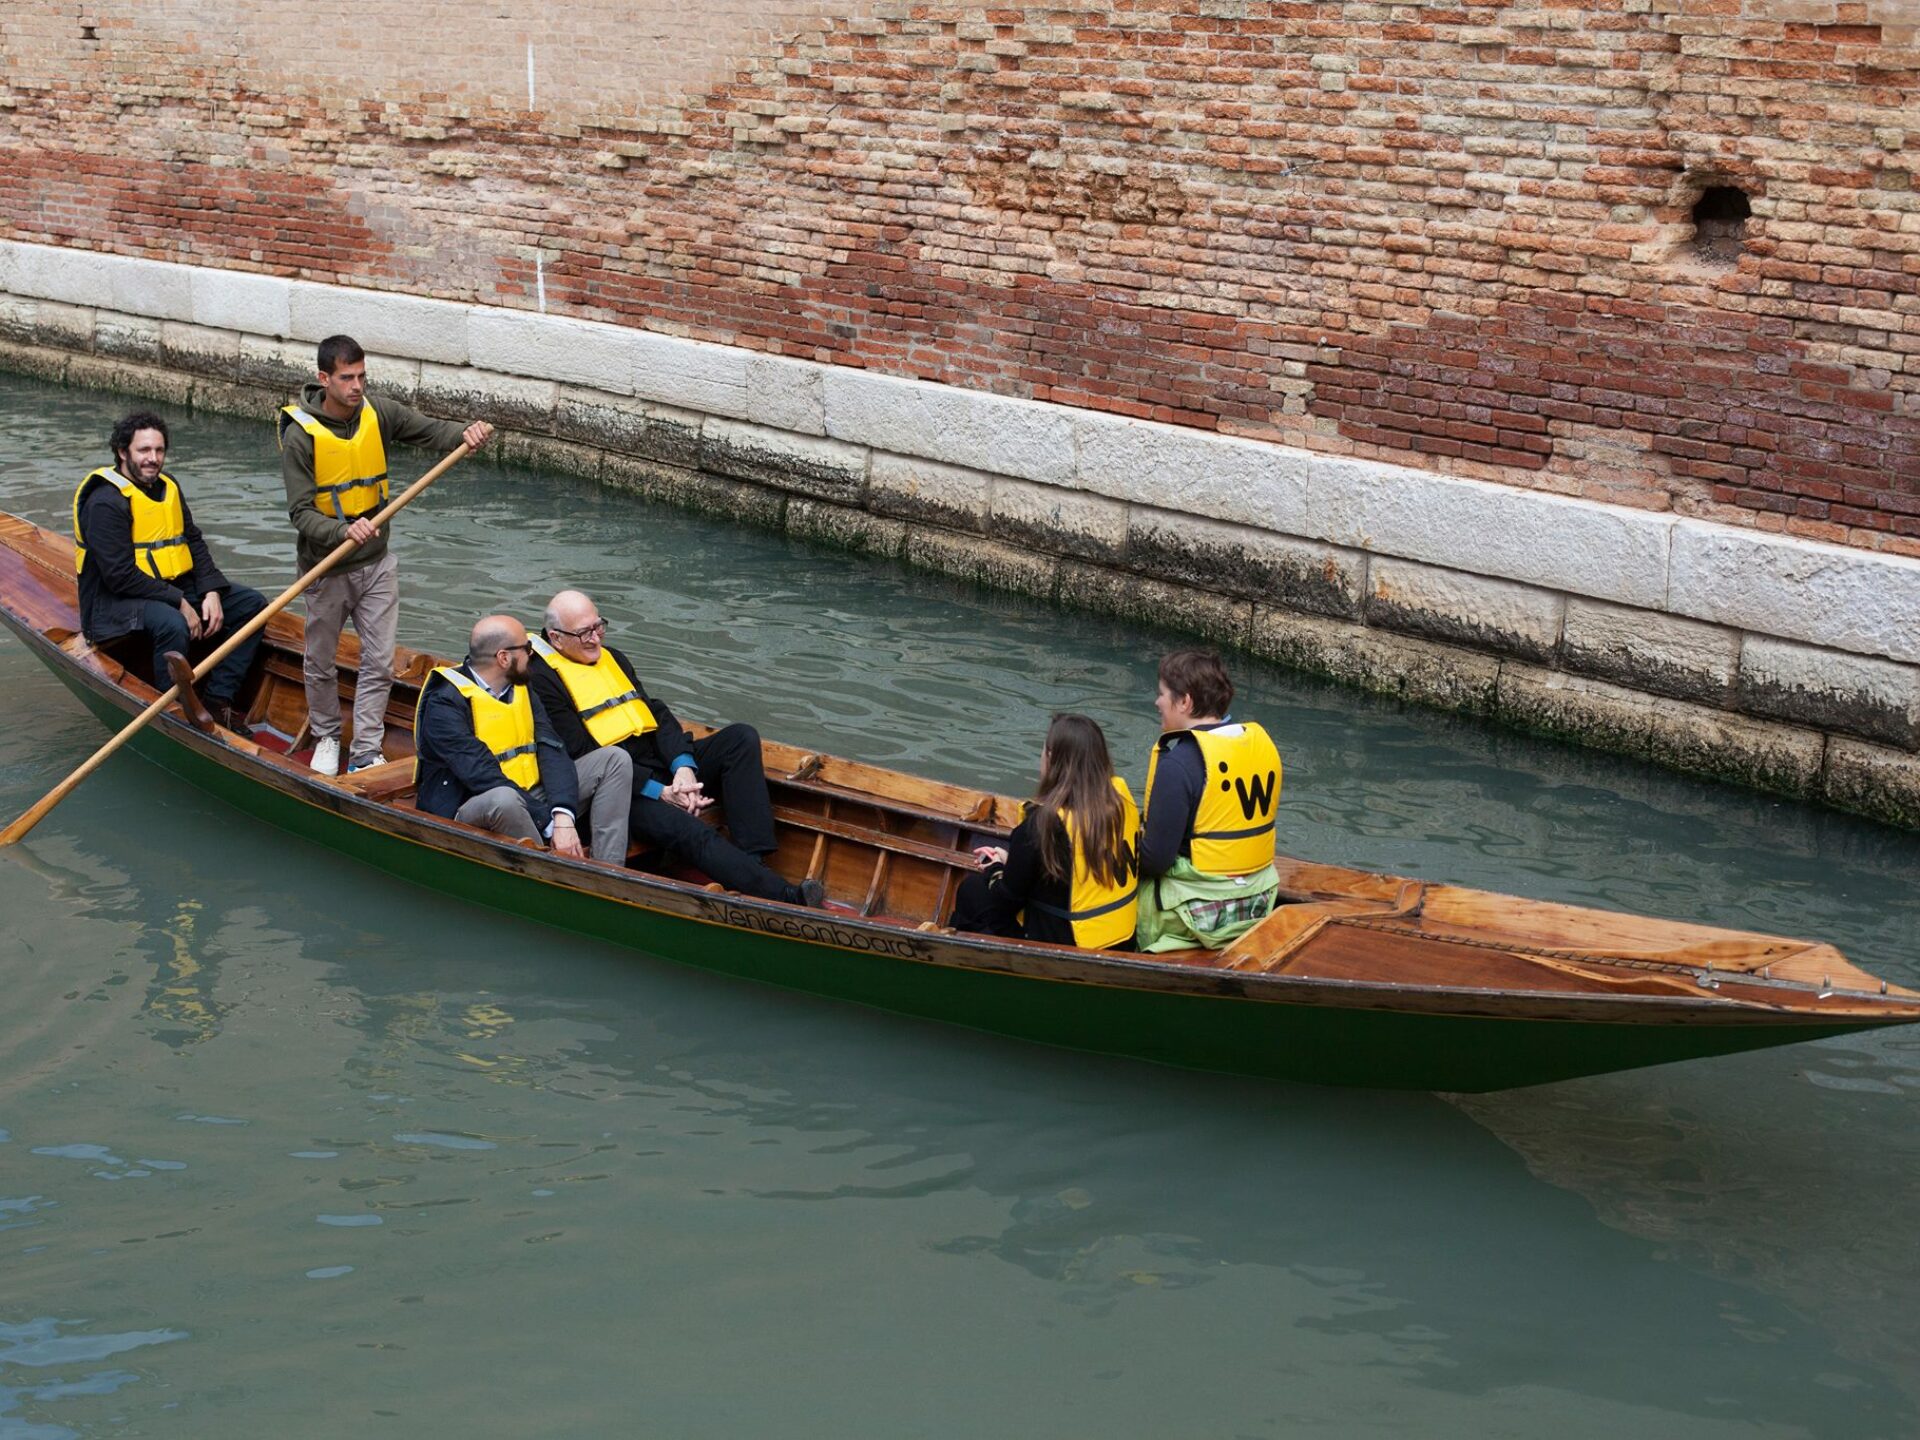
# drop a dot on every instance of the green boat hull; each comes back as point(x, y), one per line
point(1365, 1041)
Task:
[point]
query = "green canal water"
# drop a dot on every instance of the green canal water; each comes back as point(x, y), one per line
point(290, 1148)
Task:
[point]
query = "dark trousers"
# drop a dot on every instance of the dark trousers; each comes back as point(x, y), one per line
point(167, 628)
point(729, 765)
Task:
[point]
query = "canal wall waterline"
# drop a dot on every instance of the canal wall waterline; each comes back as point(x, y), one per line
point(1786, 664)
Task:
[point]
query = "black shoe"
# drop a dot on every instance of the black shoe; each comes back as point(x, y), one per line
point(813, 894)
point(228, 718)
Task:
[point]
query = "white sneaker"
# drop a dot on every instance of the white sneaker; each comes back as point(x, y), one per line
point(326, 757)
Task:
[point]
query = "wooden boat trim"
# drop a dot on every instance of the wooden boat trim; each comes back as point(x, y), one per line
point(1581, 967)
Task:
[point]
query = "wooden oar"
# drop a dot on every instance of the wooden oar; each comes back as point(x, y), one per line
point(345, 548)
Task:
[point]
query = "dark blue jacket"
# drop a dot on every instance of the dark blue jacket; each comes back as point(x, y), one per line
point(454, 766)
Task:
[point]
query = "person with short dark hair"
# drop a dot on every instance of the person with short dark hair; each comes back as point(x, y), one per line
point(1213, 788)
point(1067, 874)
point(144, 566)
point(333, 461)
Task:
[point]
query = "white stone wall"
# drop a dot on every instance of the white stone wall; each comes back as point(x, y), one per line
point(1256, 543)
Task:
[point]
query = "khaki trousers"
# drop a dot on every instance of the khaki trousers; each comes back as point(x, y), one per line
point(370, 598)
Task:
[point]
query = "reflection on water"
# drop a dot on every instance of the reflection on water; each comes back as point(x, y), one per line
point(328, 1153)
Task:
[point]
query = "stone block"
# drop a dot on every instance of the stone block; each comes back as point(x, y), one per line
point(69, 326)
point(985, 562)
point(1551, 702)
point(1222, 619)
point(686, 489)
point(382, 321)
point(993, 433)
point(19, 316)
point(73, 277)
point(1761, 753)
point(806, 464)
point(511, 402)
point(918, 489)
point(1420, 671)
point(846, 527)
point(10, 268)
point(630, 427)
point(1498, 615)
point(121, 336)
point(1066, 522)
point(689, 374)
point(252, 304)
point(1245, 481)
point(1831, 690)
point(543, 452)
point(1853, 600)
point(1648, 650)
point(196, 347)
point(1240, 560)
point(163, 384)
point(1872, 780)
point(284, 365)
point(786, 394)
point(247, 402)
point(1603, 551)
point(395, 376)
point(549, 347)
point(34, 360)
point(152, 289)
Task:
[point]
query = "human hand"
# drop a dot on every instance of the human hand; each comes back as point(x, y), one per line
point(686, 791)
point(566, 839)
point(477, 434)
point(361, 531)
point(986, 855)
point(211, 613)
point(194, 627)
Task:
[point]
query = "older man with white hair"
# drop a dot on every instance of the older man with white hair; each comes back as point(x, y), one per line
point(596, 702)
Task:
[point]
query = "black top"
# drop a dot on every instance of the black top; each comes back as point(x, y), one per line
point(653, 754)
point(1174, 801)
point(112, 586)
point(454, 766)
point(1022, 883)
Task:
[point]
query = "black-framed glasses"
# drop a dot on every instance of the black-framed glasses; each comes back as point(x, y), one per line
point(592, 631)
point(526, 645)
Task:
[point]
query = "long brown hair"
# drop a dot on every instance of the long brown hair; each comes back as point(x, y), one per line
point(1077, 776)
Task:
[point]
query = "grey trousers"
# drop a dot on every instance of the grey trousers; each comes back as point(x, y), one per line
point(606, 792)
point(370, 598)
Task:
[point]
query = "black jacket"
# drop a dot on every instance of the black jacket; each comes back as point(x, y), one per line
point(112, 586)
point(454, 766)
point(653, 754)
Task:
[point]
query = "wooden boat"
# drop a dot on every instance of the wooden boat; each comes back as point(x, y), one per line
point(1358, 979)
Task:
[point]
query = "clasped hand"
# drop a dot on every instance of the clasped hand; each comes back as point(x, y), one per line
point(208, 619)
point(686, 792)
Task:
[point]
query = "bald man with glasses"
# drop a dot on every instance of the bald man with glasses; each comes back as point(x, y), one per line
point(597, 704)
point(487, 755)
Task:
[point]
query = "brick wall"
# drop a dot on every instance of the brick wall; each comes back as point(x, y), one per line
point(1452, 235)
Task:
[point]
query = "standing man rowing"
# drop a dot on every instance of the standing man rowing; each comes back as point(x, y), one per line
point(333, 460)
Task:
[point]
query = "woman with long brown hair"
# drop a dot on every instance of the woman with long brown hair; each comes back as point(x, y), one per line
point(1068, 873)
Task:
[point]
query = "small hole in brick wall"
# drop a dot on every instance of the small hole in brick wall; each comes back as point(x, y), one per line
point(1720, 224)
point(89, 32)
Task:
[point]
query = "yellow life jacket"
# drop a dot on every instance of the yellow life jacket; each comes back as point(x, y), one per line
point(159, 526)
point(1101, 914)
point(349, 476)
point(504, 726)
point(609, 704)
point(1233, 828)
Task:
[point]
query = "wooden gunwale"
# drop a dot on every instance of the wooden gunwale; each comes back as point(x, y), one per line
point(1755, 1002)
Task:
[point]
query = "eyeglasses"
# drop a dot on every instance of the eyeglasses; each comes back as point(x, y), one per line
point(586, 632)
point(526, 645)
